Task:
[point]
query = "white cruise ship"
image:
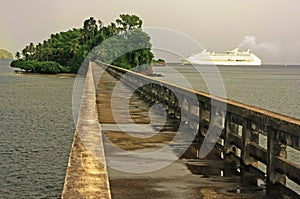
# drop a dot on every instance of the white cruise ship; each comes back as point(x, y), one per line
point(233, 57)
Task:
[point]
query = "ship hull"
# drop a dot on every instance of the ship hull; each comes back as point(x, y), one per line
point(219, 63)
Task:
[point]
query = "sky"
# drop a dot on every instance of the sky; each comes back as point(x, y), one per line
point(270, 28)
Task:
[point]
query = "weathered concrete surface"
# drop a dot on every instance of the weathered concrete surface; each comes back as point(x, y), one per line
point(138, 113)
point(86, 175)
point(187, 177)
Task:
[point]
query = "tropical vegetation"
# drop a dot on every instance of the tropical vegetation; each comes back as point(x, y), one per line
point(122, 43)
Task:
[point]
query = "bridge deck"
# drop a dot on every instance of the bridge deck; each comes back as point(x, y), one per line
point(187, 177)
point(108, 127)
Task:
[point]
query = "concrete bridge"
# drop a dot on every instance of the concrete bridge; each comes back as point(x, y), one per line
point(260, 143)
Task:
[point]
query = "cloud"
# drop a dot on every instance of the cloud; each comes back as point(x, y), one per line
point(264, 47)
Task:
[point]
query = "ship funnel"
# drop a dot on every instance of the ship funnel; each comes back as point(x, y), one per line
point(236, 50)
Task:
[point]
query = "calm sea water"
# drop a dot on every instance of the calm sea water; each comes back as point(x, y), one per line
point(36, 132)
point(275, 88)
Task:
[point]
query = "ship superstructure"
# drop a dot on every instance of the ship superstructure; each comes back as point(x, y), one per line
point(233, 57)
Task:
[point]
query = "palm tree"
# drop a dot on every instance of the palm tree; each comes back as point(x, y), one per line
point(18, 55)
point(73, 48)
point(46, 49)
point(130, 21)
point(90, 27)
point(25, 53)
point(100, 24)
point(123, 25)
point(112, 29)
point(48, 52)
point(38, 52)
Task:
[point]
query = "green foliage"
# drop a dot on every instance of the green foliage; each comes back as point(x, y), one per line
point(128, 50)
point(129, 22)
point(16, 63)
point(65, 51)
point(49, 67)
point(33, 66)
point(5, 54)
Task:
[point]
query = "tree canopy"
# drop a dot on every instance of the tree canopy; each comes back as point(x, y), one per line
point(67, 50)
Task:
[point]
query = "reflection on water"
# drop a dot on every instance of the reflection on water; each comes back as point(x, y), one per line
point(36, 131)
point(228, 179)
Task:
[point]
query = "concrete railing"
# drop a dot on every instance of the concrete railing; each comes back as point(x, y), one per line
point(86, 175)
point(250, 134)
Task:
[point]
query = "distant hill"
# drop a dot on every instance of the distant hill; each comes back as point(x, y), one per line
point(4, 54)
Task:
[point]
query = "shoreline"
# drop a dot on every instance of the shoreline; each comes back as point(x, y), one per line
point(46, 74)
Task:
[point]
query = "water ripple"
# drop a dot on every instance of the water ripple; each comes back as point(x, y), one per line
point(36, 132)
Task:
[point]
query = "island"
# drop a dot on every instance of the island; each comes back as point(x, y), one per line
point(122, 43)
point(4, 54)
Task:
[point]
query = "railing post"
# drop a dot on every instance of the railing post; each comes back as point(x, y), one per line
point(153, 92)
point(247, 138)
point(161, 94)
point(170, 101)
point(177, 106)
point(275, 148)
point(184, 110)
point(215, 124)
point(166, 99)
point(201, 118)
point(189, 117)
point(230, 128)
